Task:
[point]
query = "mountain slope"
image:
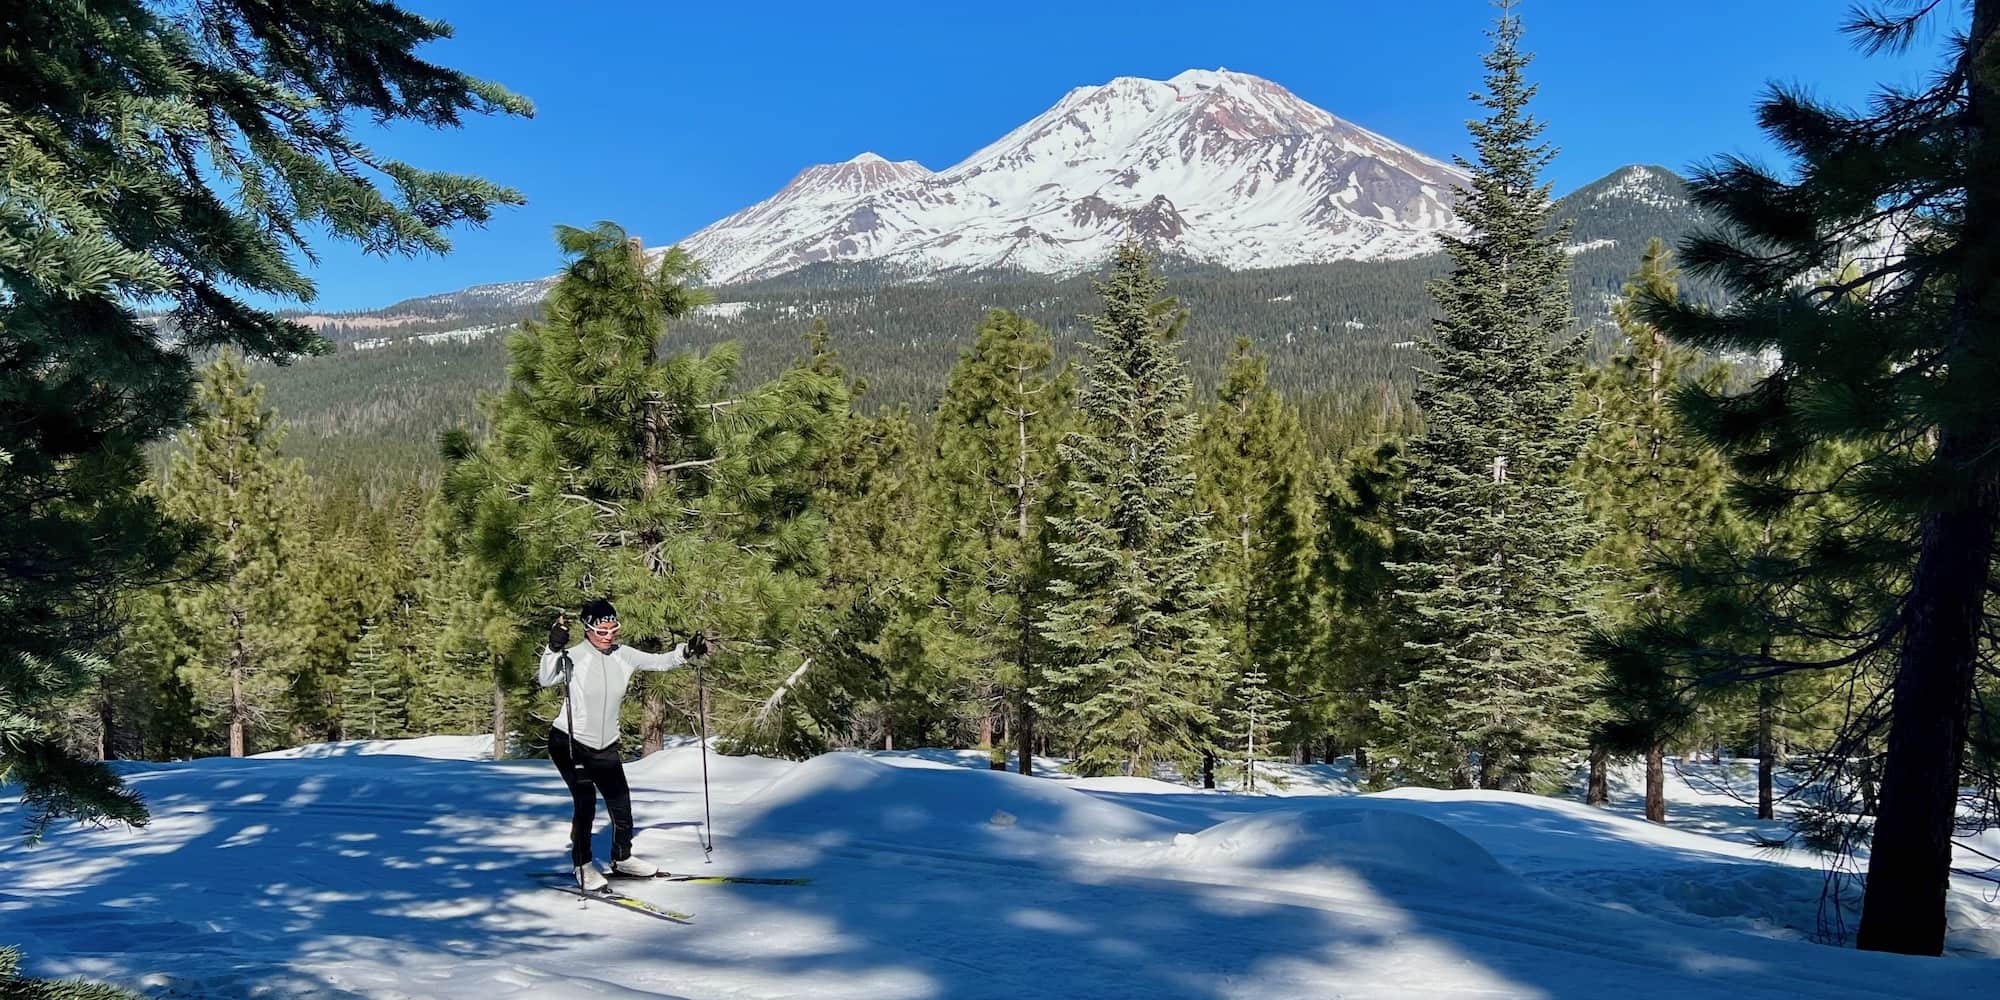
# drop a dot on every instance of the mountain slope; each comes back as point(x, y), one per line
point(1212, 169)
point(1216, 167)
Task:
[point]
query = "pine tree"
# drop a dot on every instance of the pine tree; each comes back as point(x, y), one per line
point(1251, 714)
point(373, 694)
point(240, 628)
point(476, 633)
point(1251, 453)
point(171, 154)
point(1140, 664)
point(613, 471)
point(1652, 489)
point(462, 672)
point(1868, 275)
point(1353, 596)
point(159, 706)
point(876, 646)
point(1494, 593)
point(998, 422)
point(341, 579)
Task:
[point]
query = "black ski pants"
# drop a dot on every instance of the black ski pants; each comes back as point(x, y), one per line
point(589, 773)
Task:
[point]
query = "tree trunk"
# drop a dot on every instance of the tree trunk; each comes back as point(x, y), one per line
point(1598, 791)
point(1909, 867)
point(888, 740)
point(653, 708)
point(105, 719)
point(1208, 770)
point(1024, 709)
point(1250, 756)
point(499, 713)
point(996, 754)
point(237, 710)
point(1024, 654)
point(1910, 861)
point(653, 720)
point(1656, 782)
point(1767, 713)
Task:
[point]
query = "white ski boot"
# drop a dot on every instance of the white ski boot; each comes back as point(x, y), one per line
point(591, 879)
point(635, 868)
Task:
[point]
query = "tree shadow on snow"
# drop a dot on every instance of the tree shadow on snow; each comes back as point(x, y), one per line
point(278, 875)
point(258, 875)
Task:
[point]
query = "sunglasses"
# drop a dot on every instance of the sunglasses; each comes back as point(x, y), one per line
point(607, 627)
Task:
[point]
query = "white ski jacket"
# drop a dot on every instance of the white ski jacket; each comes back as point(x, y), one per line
point(598, 685)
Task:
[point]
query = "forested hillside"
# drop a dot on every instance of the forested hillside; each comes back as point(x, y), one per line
point(1341, 337)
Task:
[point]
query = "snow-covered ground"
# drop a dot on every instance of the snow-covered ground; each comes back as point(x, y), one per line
point(406, 869)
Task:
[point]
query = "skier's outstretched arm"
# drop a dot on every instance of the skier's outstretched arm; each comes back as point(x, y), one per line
point(670, 660)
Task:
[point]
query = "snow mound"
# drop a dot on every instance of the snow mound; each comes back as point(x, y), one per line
point(1350, 839)
point(679, 765)
point(852, 797)
point(976, 760)
point(1787, 902)
point(434, 747)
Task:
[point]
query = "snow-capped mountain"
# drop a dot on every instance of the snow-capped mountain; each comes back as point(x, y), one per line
point(1213, 166)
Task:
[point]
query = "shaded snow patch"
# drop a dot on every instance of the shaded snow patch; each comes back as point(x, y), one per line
point(864, 798)
point(1374, 840)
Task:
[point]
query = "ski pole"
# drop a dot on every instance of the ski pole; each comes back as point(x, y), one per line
point(569, 704)
point(701, 714)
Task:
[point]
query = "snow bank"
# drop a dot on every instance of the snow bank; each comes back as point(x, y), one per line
point(852, 797)
point(1273, 777)
point(434, 747)
point(679, 766)
point(977, 760)
point(1373, 840)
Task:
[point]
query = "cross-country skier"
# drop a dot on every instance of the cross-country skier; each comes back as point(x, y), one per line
point(583, 741)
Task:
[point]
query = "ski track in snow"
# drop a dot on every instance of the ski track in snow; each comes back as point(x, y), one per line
point(398, 869)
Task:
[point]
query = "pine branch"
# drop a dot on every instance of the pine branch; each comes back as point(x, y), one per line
point(783, 691)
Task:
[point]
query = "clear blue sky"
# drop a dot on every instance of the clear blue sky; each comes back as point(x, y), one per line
point(664, 117)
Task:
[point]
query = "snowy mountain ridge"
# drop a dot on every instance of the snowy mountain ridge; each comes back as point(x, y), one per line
point(1212, 166)
point(1240, 175)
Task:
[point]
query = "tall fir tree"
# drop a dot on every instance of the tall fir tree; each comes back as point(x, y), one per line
point(374, 695)
point(997, 425)
point(1251, 456)
point(1652, 489)
point(1494, 594)
point(1139, 664)
point(467, 677)
point(1357, 644)
point(178, 155)
point(873, 644)
point(1868, 276)
point(342, 580)
point(1250, 714)
point(240, 629)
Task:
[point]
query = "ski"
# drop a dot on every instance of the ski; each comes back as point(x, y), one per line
point(618, 899)
point(718, 879)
